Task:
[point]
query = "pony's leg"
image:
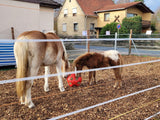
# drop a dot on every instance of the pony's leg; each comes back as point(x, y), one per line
point(58, 68)
point(90, 77)
point(22, 99)
point(47, 71)
point(28, 100)
point(94, 76)
point(118, 82)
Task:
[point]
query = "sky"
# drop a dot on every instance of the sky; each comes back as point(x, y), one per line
point(152, 4)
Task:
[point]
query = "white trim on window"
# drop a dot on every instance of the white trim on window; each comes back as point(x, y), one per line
point(74, 11)
point(65, 12)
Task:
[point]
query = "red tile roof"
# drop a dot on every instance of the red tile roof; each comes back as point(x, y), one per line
point(139, 5)
point(89, 6)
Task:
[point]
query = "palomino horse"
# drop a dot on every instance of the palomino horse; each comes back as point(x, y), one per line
point(97, 60)
point(31, 55)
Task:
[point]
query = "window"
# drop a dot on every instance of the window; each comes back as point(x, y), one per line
point(92, 26)
point(106, 16)
point(64, 27)
point(74, 11)
point(75, 26)
point(131, 15)
point(65, 12)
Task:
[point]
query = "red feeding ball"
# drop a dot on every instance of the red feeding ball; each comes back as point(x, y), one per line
point(73, 80)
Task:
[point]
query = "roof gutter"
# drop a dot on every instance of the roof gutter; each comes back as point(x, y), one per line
point(109, 10)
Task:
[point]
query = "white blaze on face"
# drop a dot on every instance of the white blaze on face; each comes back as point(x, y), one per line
point(113, 54)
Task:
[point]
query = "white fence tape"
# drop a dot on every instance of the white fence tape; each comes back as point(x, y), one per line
point(103, 103)
point(74, 40)
point(152, 116)
point(80, 71)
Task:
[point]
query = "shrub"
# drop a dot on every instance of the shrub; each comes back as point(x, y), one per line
point(134, 23)
point(112, 27)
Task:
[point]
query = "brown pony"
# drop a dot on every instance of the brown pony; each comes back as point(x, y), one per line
point(31, 55)
point(97, 60)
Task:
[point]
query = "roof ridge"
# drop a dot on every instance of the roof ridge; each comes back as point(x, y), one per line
point(121, 6)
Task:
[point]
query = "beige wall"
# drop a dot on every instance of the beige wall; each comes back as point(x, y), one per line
point(91, 20)
point(101, 22)
point(23, 16)
point(122, 14)
point(145, 16)
point(70, 19)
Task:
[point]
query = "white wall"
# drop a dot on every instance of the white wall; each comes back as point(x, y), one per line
point(23, 16)
point(46, 19)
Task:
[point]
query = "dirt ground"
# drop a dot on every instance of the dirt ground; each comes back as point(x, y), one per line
point(55, 103)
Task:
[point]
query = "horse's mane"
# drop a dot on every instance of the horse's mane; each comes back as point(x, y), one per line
point(83, 57)
point(80, 57)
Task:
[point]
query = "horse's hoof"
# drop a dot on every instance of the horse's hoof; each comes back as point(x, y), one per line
point(22, 103)
point(115, 86)
point(31, 105)
point(62, 89)
point(46, 89)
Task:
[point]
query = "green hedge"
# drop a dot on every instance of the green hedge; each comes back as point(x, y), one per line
point(112, 27)
point(134, 23)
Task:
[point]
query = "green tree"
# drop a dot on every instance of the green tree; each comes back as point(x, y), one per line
point(156, 19)
point(139, 0)
point(134, 23)
point(153, 27)
point(112, 27)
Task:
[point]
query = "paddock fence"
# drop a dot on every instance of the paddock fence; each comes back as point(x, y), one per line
point(76, 47)
point(141, 44)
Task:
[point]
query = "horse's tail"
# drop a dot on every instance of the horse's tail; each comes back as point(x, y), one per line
point(20, 51)
point(65, 56)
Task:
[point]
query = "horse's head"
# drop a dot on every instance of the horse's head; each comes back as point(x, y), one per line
point(77, 67)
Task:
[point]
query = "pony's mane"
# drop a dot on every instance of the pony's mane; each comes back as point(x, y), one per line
point(82, 56)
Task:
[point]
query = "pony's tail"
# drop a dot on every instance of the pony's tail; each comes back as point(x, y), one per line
point(20, 51)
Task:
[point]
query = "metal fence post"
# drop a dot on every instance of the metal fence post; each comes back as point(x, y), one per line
point(130, 42)
point(88, 37)
point(115, 42)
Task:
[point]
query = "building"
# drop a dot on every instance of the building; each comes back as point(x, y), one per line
point(116, 13)
point(24, 15)
point(77, 16)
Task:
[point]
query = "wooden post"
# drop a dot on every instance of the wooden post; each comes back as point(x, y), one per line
point(12, 31)
point(88, 37)
point(130, 42)
point(97, 34)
